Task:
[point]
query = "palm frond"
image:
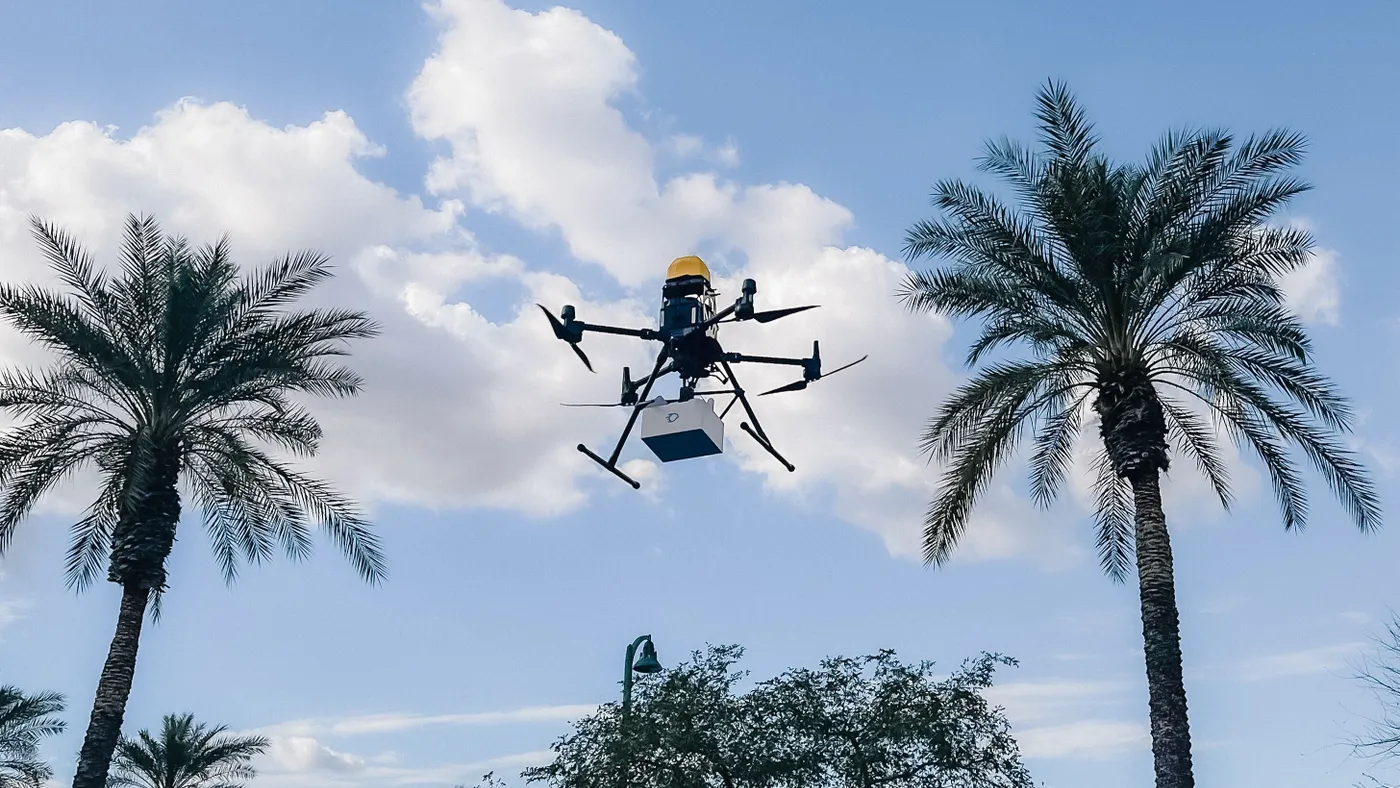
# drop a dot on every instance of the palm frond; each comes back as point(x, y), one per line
point(1169, 272)
point(1113, 520)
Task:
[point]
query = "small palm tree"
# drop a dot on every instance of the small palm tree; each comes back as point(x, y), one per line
point(1151, 294)
point(185, 755)
point(175, 370)
point(24, 721)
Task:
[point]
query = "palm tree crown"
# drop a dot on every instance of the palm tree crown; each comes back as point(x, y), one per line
point(177, 367)
point(1152, 288)
point(186, 754)
point(24, 721)
point(173, 371)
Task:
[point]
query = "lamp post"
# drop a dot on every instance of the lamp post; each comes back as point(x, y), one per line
point(647, 663)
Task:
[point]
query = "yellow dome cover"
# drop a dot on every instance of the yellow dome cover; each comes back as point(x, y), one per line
point(690, 265)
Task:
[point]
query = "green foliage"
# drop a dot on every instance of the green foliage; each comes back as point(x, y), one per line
point(24, 721)
point(849, 723)
point(1151, 288)
point(177, 363)
point(185, 754)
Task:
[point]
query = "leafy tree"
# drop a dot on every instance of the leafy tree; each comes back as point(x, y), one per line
point(1149, 292)
point(174, 370)
point(186, 754)
point(24, 721)
point(875, 721)
point(1379, 671)
point(850, 723)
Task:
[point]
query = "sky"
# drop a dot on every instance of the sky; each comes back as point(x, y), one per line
point(466, 159)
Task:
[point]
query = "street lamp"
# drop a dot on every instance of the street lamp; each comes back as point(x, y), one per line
point(646, 663)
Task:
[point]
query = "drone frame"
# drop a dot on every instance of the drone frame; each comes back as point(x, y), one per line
point(572, 330)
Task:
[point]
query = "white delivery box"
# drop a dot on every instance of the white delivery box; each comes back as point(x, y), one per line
point(681, 430)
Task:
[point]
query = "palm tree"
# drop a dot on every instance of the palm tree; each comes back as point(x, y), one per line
point(1150, 292)
point(186, 755)
point(174, 370)
point(24, 721)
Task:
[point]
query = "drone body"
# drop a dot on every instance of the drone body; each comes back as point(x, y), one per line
point(688, 331)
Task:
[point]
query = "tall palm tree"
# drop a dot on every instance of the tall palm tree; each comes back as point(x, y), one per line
point(1149, 292)
point(24, 721)
point(185, 755)
point(173, 371)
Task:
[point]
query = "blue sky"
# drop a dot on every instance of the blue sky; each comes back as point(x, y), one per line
point(478, 158)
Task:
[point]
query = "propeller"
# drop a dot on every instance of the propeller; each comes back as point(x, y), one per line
point(802, 384)
point(629, 395)
point(562, 332)
point(596, 405)
point(773, 314)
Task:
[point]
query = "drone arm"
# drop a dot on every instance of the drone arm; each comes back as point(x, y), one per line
point(660, 373)
point(642, 333)
point(735, 358)
point(718, 316)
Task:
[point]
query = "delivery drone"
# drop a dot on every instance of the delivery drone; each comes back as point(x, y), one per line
point(686, 427)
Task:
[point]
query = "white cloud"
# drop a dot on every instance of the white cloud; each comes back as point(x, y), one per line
point(1314, 291)
point(1029, 702)
point(451, 417)
point(11, 610)
point(1070, 719)
point(1090, 739)
point(393, 723)
point(379, 775)
point(461, 407)
point(303, 754)
point(1297, 663)
point(686, 144)
point(298, 754)
point(527, 105)
point(728, 154)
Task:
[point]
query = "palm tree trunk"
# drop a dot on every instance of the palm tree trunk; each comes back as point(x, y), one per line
point(1161, 636)
point(113, 689)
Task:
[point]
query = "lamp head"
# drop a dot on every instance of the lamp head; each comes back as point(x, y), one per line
point(647, 662)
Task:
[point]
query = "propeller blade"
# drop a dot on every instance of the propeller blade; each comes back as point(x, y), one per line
point(554, 324)
point(595, 405)
point(560, 333)
point(802, 384)
point(798, 386)
point(773, 314)
point(582, 356)
point(848, 366)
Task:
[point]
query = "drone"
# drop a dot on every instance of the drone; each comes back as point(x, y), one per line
point(687, 426)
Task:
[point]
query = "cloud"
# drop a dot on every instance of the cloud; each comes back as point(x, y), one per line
point(397, 722)
point(1036, 702)
point(451, 418)
point(298, 754)
point(527, 106)
point(1090, 739)
point(1297, 663)
point(1314, 291)
point(379, 775)
point(1069, 719)
point(11, 610)
point(303, 754)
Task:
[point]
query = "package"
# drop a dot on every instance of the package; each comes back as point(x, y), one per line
point(682, 430)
